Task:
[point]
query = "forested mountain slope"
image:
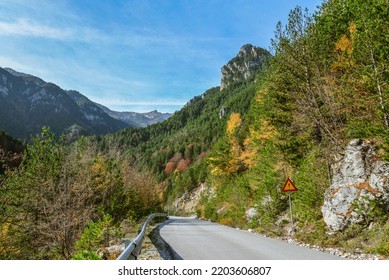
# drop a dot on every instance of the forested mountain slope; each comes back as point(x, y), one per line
point(27, 103)
point(326, 85)
point(176, 148)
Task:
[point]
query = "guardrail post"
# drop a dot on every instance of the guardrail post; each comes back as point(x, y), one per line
point(126, 242)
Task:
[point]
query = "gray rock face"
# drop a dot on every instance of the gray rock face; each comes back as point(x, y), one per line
point(244, 66)
point(360, 181)
point(251, 213)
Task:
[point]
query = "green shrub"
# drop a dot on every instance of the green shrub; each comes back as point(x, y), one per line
point(86, 255)
point(94, 236)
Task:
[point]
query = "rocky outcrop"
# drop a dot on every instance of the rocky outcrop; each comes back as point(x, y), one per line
point(244, 66)
point(359, 185)
point(187, 203)
point(251, 213)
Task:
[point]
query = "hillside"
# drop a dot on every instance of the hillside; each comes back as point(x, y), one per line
point(27, 103)
point(185, 138)
point(319, 117)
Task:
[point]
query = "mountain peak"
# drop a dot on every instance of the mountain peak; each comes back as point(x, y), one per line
point(137, 119)
point(246, 50)
point(16, 73)
point(244, 66)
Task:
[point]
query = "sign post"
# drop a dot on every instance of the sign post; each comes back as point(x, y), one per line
point(290, 187)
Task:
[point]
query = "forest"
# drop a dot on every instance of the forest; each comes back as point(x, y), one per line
point(326, 83)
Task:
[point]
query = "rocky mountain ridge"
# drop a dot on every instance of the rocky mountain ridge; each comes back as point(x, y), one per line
point(136, 119)
point(244, 66)
point(27, 103)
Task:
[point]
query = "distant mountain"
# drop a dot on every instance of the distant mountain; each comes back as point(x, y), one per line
point(27, 103)
point(137, 119)
point(102, 123)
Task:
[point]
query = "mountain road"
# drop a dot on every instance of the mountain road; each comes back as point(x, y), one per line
point(193, 239)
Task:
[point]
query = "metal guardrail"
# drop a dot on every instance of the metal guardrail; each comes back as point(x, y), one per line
point(132, 251)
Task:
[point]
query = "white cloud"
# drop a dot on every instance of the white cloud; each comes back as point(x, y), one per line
point(25, 27)
point(28, 28)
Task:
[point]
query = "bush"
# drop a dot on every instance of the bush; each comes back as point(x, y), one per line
point(96, 235)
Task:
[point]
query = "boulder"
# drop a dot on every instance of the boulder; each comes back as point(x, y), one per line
point(251, 213)
point(360, 183)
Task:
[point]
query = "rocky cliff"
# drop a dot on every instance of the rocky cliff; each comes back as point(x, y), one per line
point(244, 66)
point(360, 187)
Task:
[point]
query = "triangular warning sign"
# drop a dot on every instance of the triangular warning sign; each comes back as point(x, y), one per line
point(289, 186)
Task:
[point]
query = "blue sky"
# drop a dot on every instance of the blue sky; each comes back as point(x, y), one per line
point(135, 55)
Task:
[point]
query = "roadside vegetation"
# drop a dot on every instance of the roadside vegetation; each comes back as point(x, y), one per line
point(326, 84)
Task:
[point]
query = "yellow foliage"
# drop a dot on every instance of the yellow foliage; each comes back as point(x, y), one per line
point(248, 158)
point(233, 165)
point(4, 230)
point(252, 143)
point(352, 29)
point(216, 170)
point(233, 122)
point(345, 43)
point(212, 159)
point(239, 155)
point(344, 47)
point(265, 132)
point(214, 162)
point(6, 238)
point(235, 147)
point(249, 153)
point(99, 171)
point(98, 167)
point(228, 163)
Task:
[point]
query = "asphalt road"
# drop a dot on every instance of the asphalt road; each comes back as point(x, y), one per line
point(193, 239)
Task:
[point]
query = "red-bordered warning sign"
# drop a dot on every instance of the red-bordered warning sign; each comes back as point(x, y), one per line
point(289, 186)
